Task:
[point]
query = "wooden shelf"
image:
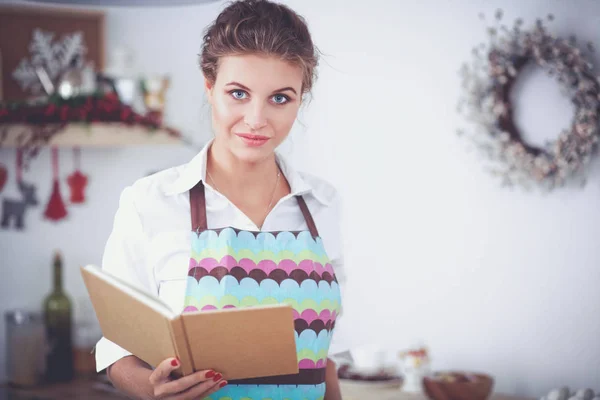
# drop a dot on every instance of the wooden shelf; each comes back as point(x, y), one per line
point(98, 134)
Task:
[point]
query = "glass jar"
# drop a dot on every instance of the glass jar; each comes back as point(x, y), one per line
point(85, 339)
point(25, 348)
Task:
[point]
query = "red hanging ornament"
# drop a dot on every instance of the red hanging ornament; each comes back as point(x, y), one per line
point(3, 176)
point(77, 181)
point(55, 210)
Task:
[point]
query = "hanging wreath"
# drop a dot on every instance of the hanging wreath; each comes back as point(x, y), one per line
point(487, 84)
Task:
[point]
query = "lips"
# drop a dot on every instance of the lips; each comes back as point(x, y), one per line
point(253, 140)
point(252, 137)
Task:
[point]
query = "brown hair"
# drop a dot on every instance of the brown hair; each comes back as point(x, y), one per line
point(259, 27)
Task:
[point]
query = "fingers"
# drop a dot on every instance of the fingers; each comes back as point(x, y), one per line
point(187, 382)
point(201, 390)
point(163, 370)
point(216, 387)
point(197, 385)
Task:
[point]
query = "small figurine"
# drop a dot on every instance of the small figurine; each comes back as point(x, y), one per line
point(154, 93)
point(415, 365)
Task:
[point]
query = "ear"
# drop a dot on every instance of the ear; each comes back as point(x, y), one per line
point(208, 88)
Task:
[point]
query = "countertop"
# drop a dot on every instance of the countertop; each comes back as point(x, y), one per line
point(98, 388)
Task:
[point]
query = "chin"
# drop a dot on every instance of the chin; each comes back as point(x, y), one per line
point(252, 154)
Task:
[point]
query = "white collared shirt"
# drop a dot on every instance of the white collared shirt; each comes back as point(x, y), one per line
point(150, 244)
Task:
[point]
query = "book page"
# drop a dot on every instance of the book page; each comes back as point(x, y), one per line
point(152, 301)
point(137, 323)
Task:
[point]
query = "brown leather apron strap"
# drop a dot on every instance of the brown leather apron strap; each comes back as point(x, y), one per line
point(305, 377)
point(198, 211)
point(198, 208)
point(308, 217)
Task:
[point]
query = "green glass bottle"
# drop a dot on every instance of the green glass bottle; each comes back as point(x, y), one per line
point(58, 321)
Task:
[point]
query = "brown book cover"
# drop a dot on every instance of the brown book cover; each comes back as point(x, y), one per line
point(240, 343)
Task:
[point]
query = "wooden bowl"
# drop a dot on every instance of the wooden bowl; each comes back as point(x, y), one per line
point(458, 385)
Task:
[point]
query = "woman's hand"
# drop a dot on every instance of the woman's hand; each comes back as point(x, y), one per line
point(333, 391)
point(195, 386)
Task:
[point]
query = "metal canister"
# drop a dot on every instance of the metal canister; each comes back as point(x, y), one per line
point(25, 347)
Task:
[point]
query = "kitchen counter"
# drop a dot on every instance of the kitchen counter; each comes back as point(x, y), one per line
point(362, 391)
point(98, 388)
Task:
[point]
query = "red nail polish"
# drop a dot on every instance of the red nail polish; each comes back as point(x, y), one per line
point(210, 374)
point(174, 363)
point(222, 384)
point(217, 377)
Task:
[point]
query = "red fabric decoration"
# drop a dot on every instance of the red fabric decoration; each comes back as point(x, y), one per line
point(77, 181)
point(3, 176)
point(55, 210)
point(19, 165)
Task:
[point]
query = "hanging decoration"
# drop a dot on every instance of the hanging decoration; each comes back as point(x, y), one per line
point(13, 210)
point(55, 209)
point(3, 176)
point(32, 138)
point(40, 121)
point(77, 181)
point(51, 55)
point(487, 84)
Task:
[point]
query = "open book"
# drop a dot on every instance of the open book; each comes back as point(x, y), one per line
point(240, 343)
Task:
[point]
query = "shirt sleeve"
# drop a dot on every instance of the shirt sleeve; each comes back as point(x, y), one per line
point(339, 341)
point(124, 257)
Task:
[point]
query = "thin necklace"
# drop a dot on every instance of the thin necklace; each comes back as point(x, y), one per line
point(272, 195)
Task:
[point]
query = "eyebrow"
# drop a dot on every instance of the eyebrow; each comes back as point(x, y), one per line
point(275, 91)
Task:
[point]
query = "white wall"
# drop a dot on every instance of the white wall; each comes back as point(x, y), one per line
point(491, 279)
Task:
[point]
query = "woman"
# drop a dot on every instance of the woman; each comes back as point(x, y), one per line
point(258, 61)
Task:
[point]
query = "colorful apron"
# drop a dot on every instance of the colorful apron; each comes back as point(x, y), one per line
point(237, 268)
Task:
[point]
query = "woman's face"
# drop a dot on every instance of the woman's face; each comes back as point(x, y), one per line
point(255, 101)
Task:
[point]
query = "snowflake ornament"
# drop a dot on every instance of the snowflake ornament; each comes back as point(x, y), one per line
point(53, 56)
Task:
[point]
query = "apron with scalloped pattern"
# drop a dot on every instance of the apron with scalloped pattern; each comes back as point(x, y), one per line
point(237, 268)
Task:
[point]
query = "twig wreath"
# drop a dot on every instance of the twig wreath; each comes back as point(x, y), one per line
point(487, 84)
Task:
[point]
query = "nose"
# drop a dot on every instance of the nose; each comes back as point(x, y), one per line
point(256, 117)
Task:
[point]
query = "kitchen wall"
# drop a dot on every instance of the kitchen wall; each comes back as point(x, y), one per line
point(491, 279)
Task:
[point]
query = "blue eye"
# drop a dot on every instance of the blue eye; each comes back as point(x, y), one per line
point(238, 94)
point(280, 99)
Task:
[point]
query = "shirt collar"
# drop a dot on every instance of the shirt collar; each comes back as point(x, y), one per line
point(195, 171)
